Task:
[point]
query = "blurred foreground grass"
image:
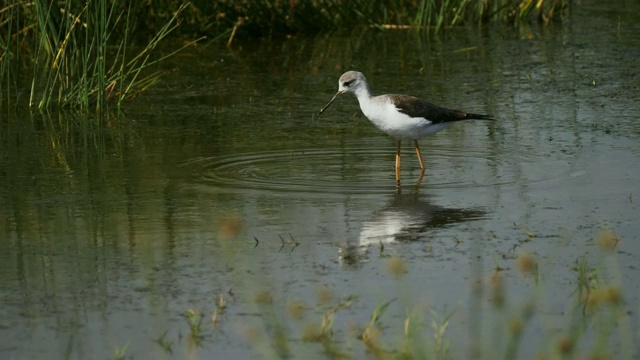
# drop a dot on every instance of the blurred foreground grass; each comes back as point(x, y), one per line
point(596, 325)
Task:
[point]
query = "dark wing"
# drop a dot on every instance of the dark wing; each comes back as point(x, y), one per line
point(419, 108)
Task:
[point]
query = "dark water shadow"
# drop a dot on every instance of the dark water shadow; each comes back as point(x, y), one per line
point(405, 218)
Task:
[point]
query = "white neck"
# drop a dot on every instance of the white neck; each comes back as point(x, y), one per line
point(363, 94)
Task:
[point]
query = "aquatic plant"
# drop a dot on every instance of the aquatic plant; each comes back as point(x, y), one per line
point(260, 18)
point(598, 312)
point(194, 319)
point(164, 343)
point(119, 352)
point(74, 54)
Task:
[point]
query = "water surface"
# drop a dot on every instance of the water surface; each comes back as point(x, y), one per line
point(221, 181)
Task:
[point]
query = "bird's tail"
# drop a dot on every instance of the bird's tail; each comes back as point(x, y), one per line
point(478, 117)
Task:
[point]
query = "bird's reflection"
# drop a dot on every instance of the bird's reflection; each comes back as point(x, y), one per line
point(404, 218)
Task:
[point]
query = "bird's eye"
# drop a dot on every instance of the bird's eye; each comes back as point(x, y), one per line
point(348, 83)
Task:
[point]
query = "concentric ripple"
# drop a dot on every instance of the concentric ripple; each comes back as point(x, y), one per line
point(309, 171)
point(361, 170)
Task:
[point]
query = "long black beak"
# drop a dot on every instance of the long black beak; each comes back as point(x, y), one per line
point(337, 95)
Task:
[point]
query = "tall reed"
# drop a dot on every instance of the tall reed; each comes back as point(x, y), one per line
point(77, 53)
point(266, 17)
point(74, 53)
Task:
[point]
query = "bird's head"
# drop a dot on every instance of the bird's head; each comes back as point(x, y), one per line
point(350, 81)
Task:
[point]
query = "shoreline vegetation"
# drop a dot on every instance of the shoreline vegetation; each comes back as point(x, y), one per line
point(94, 55)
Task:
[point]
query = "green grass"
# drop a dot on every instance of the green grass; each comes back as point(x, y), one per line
point(78, 54)
point(119, 352)
point(596, 319)
point(75, 54)
point(283, 18)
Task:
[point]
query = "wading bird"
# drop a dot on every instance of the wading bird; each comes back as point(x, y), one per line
point(401, 116)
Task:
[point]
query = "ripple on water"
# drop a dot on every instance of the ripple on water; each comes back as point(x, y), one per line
point(308, 171)
point(366, 170)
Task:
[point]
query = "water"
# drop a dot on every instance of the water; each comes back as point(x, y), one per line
point(221, 181)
